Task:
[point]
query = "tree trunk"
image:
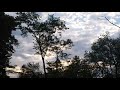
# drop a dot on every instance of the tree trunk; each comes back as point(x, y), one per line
point(116, 74)
point(3, 73)
point(57, 62)
point(44, 67)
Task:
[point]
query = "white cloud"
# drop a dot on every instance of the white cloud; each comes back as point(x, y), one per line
point(85, 28)
point(11, 13)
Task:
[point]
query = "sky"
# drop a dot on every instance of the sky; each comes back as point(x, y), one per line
point(84, 29)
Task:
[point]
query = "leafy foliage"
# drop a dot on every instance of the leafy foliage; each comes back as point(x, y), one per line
point(43, 33)
point(31, 70)
point(7, 41)
point(55, 69)
point(103, 61)
point(78, 69)
point(107, 51)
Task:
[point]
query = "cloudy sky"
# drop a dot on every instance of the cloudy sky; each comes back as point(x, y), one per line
point(84, 29)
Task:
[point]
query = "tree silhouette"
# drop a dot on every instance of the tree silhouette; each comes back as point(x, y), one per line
point(59, 48)
point(107, 51)
point(79, 68)
point(26, 22)
point(31, 70)
point(7, 40)
point(43, 32)
point(54, 71)
point(46, 40)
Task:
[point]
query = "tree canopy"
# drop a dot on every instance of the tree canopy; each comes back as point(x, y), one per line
point(7, 41)
point(44, 33)
point(107, 51)
point(31, 70)
point(102, 61)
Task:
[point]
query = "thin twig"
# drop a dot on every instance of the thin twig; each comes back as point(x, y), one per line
point(111, 22)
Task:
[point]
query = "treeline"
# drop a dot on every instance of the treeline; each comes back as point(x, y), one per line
point(103, 61)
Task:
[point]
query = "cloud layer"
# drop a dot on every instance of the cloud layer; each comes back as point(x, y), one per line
point(84, 29)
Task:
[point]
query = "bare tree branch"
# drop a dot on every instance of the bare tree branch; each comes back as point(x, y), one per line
point(111, 22)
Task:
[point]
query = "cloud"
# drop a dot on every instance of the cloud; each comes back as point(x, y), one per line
point(11, 13)
point(84, 29)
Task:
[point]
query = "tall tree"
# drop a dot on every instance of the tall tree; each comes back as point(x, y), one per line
point(107, 51)
point(46, 40)
point(44, 33)
point(7, 41)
